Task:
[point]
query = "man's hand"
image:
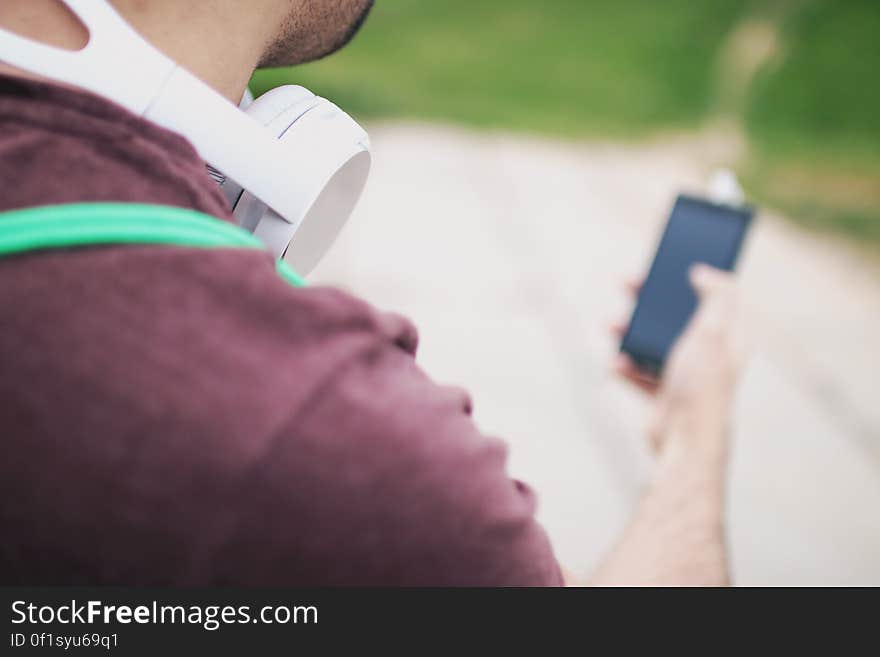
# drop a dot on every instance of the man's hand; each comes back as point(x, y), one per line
point(676, 536)
point(700, 377)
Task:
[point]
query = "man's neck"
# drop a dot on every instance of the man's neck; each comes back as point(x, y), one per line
point(216, 40)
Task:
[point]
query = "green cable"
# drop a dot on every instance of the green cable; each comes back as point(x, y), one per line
point(86, 224)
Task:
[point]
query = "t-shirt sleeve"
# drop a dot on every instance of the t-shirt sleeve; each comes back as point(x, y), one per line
point(382, 478)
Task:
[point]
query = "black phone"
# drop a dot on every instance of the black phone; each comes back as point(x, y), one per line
point(698, 231)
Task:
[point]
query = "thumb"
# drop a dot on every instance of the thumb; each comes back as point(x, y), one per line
point(705, 279)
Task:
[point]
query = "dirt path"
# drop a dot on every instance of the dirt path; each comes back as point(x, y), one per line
point(508, 253)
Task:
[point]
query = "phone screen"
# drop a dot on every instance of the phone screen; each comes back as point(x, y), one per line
point(698, 231)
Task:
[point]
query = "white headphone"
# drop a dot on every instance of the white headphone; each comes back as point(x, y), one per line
point(293, 164)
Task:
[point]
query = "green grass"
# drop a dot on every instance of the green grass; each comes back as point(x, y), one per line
point(568, 67)
point(631, 68)
point(814, 118)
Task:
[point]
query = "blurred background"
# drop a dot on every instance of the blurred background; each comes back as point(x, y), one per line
point(526, 157)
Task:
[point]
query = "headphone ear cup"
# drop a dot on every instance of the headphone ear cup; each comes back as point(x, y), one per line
point(279, 108)
point(275, 110)
point(249, 211)
point(327, 216)
point(323, 132)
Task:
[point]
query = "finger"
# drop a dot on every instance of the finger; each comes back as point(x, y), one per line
point(705, 279)
point(618, 329)
point(718, 296)
point(634, 285)
point(626, 368)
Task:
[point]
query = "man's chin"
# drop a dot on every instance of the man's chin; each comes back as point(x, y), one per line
point(297, 47)
point(355, 26)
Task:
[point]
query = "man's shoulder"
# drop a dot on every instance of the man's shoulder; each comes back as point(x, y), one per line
point(205, 333)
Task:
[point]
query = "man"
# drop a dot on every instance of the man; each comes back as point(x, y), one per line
point(183, 417)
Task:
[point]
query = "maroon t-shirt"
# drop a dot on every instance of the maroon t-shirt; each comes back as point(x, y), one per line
point(176, 416)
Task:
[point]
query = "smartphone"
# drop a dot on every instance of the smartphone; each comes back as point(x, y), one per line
point(698, 231)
